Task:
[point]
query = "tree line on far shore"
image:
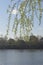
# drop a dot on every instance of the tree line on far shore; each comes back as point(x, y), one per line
point(33, 43)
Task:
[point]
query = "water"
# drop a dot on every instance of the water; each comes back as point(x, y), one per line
point(21, 57)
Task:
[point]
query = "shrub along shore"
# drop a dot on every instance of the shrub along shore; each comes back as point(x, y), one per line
point(33, 43)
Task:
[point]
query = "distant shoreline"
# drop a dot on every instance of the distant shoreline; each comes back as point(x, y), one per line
point(33, 43)
point(21, 48)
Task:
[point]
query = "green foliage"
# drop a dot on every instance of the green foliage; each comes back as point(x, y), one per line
point(33, 43)
point(27, 10)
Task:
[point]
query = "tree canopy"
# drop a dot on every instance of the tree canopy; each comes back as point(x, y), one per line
point(27, 10)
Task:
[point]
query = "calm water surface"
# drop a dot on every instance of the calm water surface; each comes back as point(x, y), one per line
point(21, 57)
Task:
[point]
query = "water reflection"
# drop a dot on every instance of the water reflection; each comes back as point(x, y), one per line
point(16, 57)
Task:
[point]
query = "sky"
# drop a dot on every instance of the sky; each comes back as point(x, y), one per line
point(37, 30)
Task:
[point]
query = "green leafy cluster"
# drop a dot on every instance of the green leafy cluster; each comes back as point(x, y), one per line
point(24, 19)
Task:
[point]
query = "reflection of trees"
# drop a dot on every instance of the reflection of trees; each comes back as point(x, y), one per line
point(24, 19)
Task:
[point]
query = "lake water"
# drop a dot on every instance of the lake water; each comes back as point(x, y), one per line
point(21, 57)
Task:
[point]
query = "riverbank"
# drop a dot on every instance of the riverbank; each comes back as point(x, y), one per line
point(24, 46)
point(33, 43)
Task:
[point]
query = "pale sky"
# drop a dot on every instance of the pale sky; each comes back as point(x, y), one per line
point(37, 30)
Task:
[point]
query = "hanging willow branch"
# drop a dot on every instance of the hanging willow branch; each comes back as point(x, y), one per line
point(27, 10)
